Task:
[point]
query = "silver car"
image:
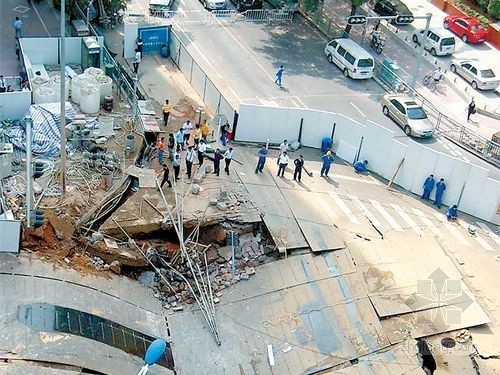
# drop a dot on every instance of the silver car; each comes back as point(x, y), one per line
point(407, 114)
point(479, 76)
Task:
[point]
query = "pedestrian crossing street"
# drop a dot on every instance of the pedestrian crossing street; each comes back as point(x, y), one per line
point(392, 217)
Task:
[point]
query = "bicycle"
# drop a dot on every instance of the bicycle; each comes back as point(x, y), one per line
point(429, 82)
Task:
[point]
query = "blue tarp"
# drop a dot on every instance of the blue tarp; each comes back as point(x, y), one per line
point(46, 129)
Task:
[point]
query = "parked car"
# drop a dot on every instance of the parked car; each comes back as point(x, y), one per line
point(242, 5)
point(391, 8)
point(353, 60)
point(479, 75)
point(410, 116)
point(160, 8)
point(214, 4)
point(440, 42)
point(467, 28)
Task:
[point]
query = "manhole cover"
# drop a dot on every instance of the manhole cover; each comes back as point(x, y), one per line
point(448, 342)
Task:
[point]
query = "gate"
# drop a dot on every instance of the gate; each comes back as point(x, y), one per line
point(153, 37)
point(268, 15)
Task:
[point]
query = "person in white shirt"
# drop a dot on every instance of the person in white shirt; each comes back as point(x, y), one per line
point(282, 162)
point(187, 127)
point(437, 75)
point(190, 155)
point(202, 147)
point(283, 148)
point(228, 156)
point(137, 60)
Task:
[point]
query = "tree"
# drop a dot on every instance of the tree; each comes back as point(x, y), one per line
point(494, 8)
point(355, 4)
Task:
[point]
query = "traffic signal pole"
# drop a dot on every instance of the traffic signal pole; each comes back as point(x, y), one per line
point(399, 20)
point(29, 171)
point(421, 51)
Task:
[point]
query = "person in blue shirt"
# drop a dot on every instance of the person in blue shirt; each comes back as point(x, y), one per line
point(179, 138)
point(452, 213)
point(428, 186)
point(327, 161)
point(440, 188)
point(279, 75)
point(326, 144)
point(361, 166)
point(263, 152)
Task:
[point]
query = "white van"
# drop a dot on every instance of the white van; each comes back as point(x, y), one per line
point(440, 42)
point(354, 61)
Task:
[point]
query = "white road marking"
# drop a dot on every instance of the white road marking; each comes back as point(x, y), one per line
point(489, 232)
point(344, 208)
point(465, 159)
point(428, 223)
point(301, 102)
point(442, 218)
point(386, 215)
point(454, 153)
point(446, 146)
point(292, 99)
point(485, 245)
point(357, 109)
point(371, 181)
point(40, 18)
point(366, 212)
point(407, 219)
point(234, 93)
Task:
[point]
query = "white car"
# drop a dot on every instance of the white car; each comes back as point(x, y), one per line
point(479, 75)
point(407, 114)
point(440, 42)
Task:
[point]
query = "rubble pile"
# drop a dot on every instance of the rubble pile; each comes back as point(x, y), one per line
point(173, 290)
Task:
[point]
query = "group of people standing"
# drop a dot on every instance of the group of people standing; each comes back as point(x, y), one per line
point(179, 142)
point(428, 187)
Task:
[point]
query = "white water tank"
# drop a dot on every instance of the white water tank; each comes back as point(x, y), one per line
point(90, 99)
point(76, 84)
point(39, 82)
point(105, 84)
point(93, 72)
point(44, 94)
point(55, 83)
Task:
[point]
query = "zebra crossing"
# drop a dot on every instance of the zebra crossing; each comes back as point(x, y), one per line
point(387, 217)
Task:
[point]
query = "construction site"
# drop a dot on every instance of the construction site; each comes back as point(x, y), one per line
point(242, 272)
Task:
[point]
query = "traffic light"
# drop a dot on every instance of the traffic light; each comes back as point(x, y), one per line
point(38, 169)
point(404, 19)
point(356, 20)
point(37, 218)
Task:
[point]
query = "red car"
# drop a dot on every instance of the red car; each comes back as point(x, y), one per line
point(467, 28)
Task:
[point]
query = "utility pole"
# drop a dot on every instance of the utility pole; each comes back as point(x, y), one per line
point(428, 17)
point(63, 98)
point(88, 15)
point(134, 104)
point(29, 170)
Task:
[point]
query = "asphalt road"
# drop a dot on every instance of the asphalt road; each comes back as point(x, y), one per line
point(39, 19)
point(241, 59)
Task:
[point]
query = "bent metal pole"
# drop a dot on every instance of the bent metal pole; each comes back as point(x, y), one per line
point(63, 97)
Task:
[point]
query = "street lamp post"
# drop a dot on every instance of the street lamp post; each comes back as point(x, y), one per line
point(88, 14)
point(29, 172)
point(63, 97)
point(153, 355)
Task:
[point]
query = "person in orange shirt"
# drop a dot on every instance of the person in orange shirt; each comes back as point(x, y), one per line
point(161, 146)
point(205, 130)
point(197, 133)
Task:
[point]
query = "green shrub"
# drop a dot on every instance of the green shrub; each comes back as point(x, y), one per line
point(474, 13)
point(494, 9)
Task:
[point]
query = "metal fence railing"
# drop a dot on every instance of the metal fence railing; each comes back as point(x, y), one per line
point(215, 101)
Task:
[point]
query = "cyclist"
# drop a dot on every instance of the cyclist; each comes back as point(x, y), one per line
point(437, 75)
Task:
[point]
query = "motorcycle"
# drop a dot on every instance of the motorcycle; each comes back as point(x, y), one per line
point(377, 42)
